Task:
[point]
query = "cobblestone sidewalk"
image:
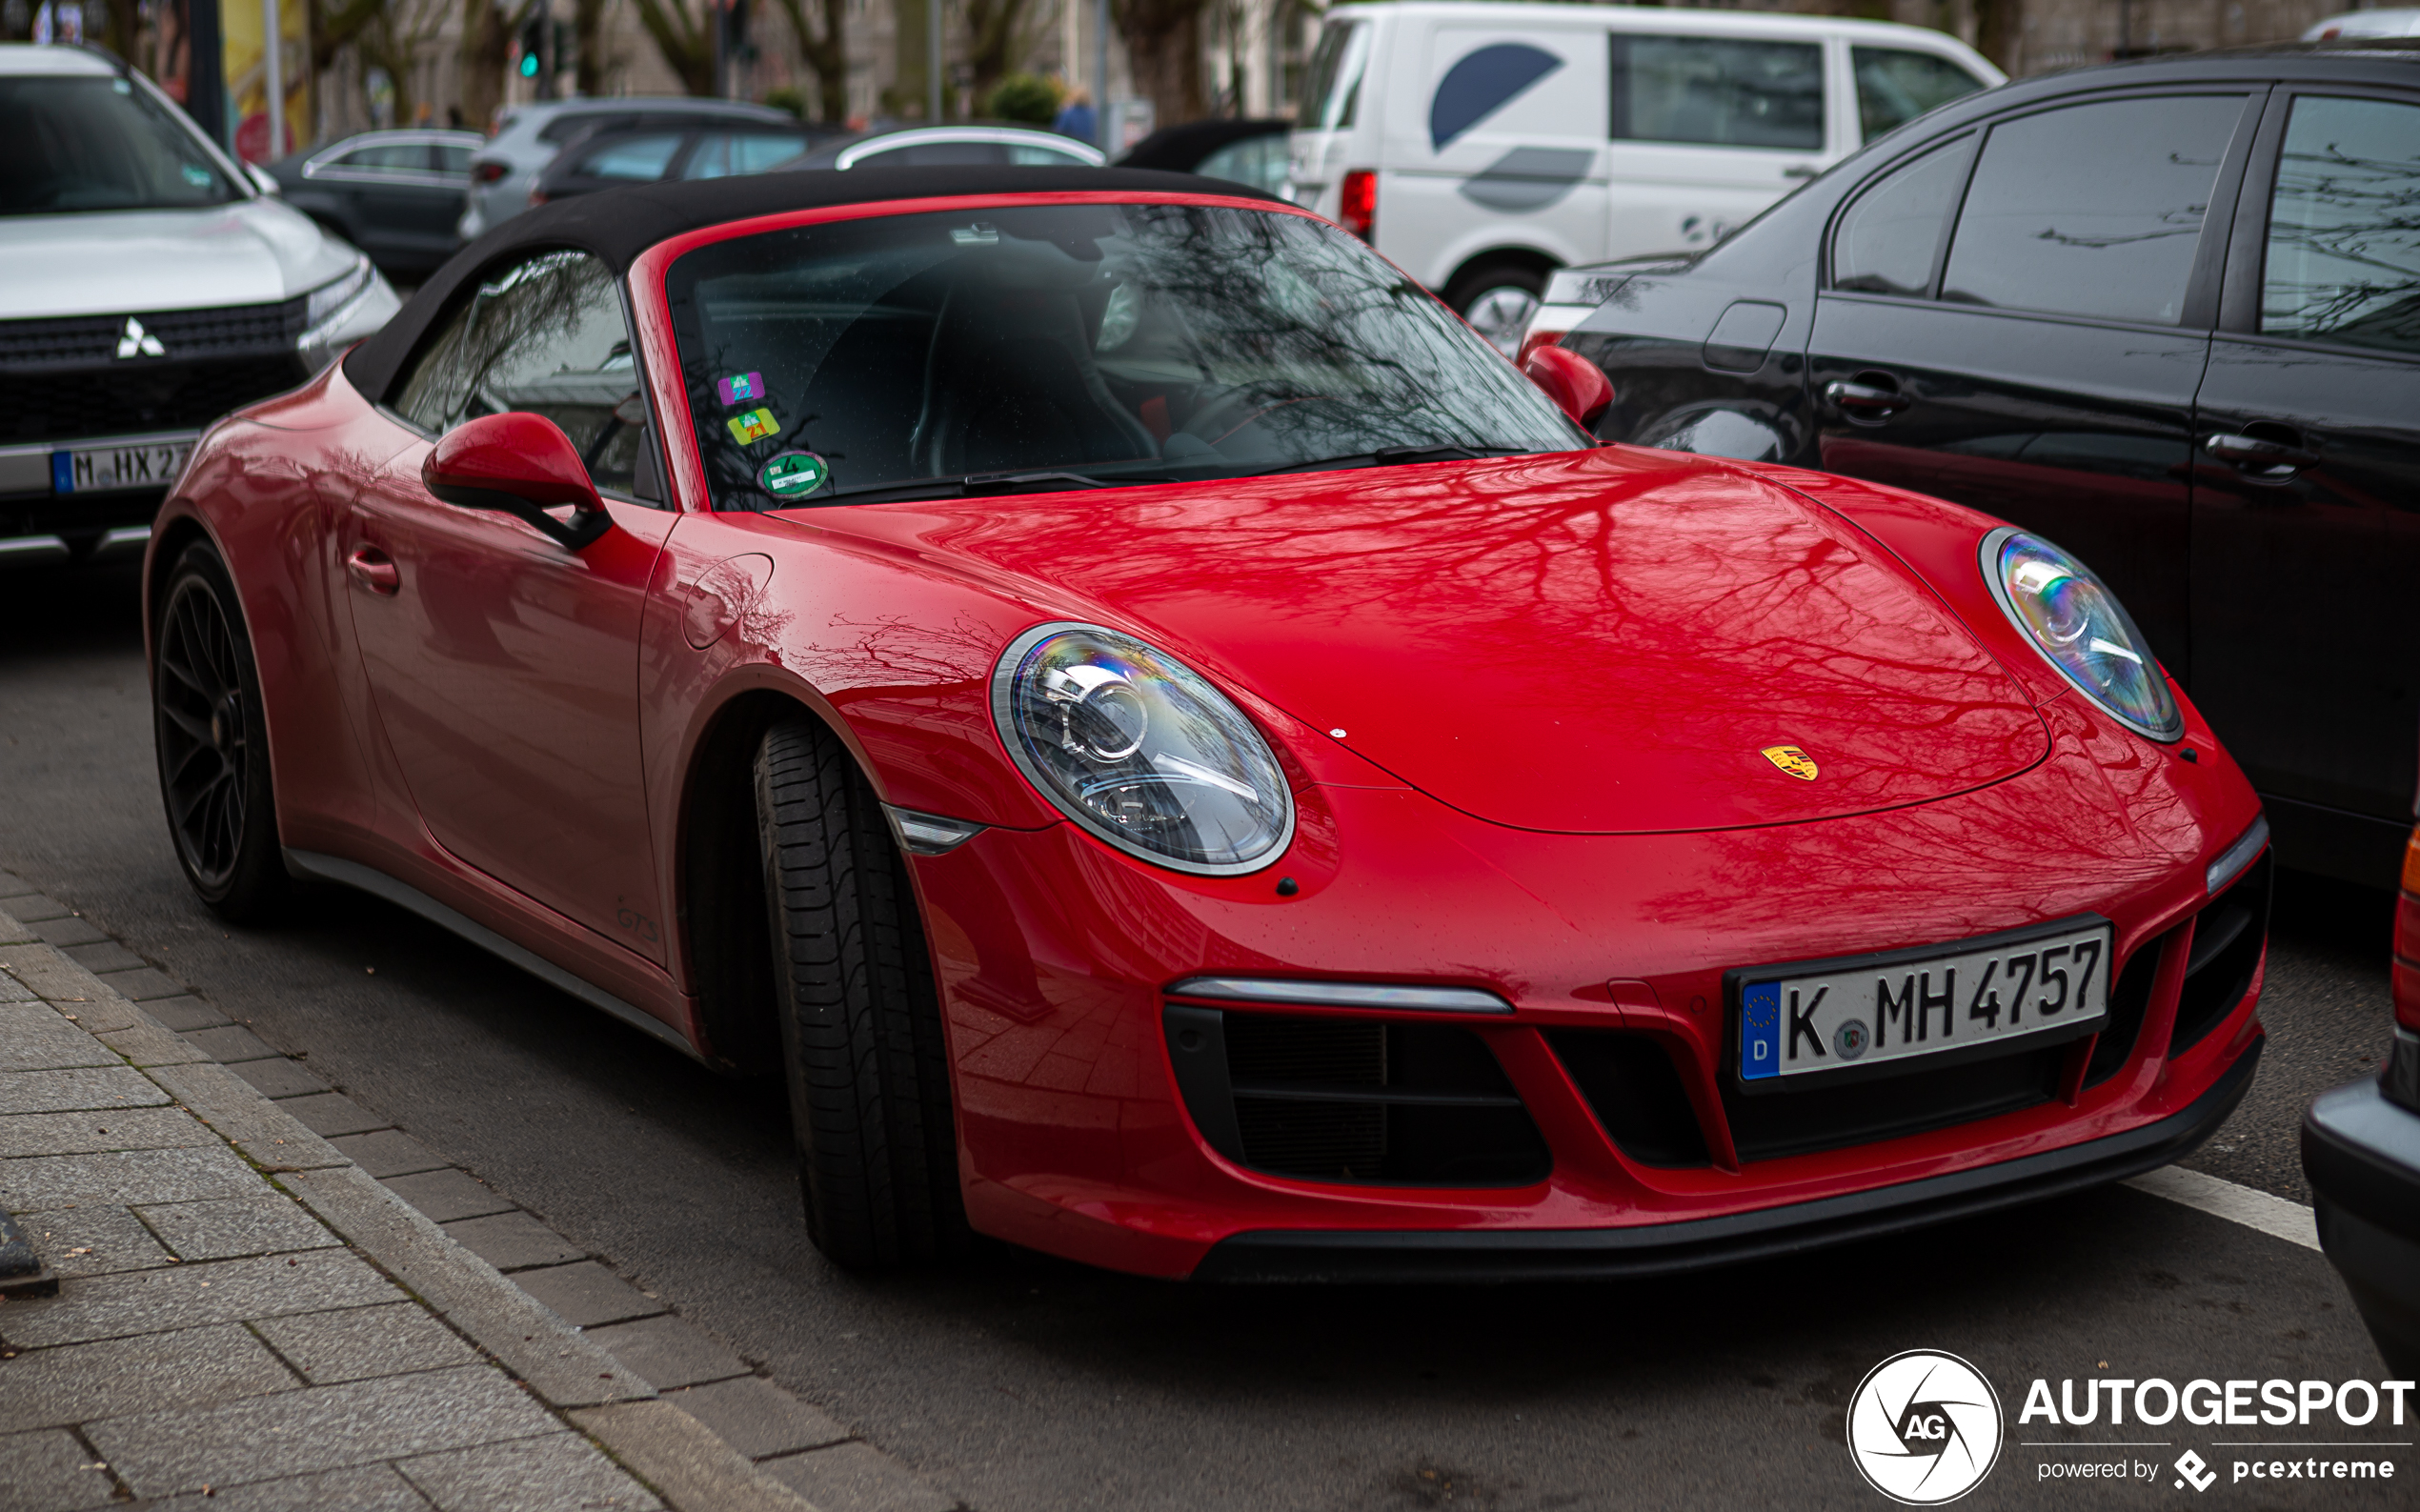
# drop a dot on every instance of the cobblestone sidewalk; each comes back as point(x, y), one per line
point(248, 1319)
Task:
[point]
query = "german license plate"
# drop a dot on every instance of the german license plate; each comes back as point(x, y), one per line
point(103, 468)
point(1863, 1012)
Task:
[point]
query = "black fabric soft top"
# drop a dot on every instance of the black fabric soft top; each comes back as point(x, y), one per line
point(619, 223)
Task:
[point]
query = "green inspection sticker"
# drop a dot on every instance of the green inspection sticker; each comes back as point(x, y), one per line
point(792, 473)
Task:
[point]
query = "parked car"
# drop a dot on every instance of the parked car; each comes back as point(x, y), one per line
point(147, 286)
point(394, 194)
point(2161, 311)
point(2382, 23)
point(965, 144)
point(1250, 152)
point(2361, 1152)
point(612, 159)
point(1484, 145)
point(527, 137)
point(1187, 759)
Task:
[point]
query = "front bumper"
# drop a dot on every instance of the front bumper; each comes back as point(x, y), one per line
point(92, 518)
point(2360, 1151)
point(1463, 1255)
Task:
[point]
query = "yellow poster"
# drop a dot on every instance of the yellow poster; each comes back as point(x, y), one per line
point(244, 22)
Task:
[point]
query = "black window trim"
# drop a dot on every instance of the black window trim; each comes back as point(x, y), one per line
point(1952, 141)
point(469, 290)
point(2247, 247)
point(2201, 305)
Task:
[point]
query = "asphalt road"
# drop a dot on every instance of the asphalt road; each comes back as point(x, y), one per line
point(1022, 1383)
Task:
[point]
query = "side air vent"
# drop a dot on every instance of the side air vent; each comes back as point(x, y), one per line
point(2127, 1004)
point(1353, 1100)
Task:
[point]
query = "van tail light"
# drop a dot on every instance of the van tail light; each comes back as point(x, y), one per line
point(488, 172)
point(2407, 967)
point(1359, 212)
point(1535, 339)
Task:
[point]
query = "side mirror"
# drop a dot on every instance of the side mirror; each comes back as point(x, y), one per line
point(1578, 387)
point(522, 464)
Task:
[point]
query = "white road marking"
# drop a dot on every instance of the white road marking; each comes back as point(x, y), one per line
point(2272, 1214)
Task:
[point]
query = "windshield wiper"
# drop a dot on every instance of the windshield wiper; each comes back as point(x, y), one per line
point(1391, 455)
point(975, 485)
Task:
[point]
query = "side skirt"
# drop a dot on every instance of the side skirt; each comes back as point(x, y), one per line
point(315, 867)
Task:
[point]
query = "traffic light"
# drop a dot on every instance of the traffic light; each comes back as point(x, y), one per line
point(532, 43)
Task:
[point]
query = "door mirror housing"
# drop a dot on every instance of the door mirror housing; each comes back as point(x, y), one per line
point(1578, 387)
point(522, 464)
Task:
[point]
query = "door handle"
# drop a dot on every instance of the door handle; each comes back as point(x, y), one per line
point(2274, 459)
point(1863, 400)
point(1799, 171)
point(371, 568)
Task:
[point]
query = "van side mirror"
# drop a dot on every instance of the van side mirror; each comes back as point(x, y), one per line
point(1578, 387)
point(522, 464)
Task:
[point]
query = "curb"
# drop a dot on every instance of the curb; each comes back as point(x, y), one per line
point(796, 1458)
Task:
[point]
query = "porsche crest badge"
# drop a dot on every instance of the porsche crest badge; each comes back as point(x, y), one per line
point(1792, 760)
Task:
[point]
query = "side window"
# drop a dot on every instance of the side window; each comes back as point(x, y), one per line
point(1888, 241)
point(545, 336)
point(1894, 86)
point(937, 154)
point(1718, 93)
point(388, 157)
point(755, 151)
point(2093, 209)
point(1259, 161)
point(2344, 226)
point(634, 159)
point(1334, 90)
point(710, 158)
point(454, 159)
point(1025, 155)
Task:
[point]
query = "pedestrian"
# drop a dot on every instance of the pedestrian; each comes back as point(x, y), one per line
point(1076, 116)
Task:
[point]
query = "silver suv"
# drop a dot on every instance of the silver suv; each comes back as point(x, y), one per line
point(507, 169)
point(148, 284)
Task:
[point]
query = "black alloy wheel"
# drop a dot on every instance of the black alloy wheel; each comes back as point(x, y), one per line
point(211, 734)
point(860, 1018)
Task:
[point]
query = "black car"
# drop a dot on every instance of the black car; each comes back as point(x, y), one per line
point(394, 194)
point(1250, 152)
point(2361, 1150)
point(2166, 312)
point(682, 150)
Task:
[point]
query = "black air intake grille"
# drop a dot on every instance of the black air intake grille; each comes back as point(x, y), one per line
point(1353, 1100)
point(1635, 1092)
point(70, 405)
point(2228, 936)
point(2127, 1003)
point(88, 341)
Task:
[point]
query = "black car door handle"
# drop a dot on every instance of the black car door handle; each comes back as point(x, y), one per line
point(1866, 399)
point(2251, 452)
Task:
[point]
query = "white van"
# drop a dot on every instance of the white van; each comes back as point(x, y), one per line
point(1483, 145)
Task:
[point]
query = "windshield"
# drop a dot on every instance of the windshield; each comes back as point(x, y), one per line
point(96, 144)
point(919, 355)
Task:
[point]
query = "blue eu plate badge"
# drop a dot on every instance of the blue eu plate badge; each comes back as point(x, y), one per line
point(1760, 1030)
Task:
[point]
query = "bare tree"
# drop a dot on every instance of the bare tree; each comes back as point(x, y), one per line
point(1163, 37)
point(393, 40)
point(996, 41)
point(686, 41)
point(588, 31)
point(825, 52)
point(486, 42)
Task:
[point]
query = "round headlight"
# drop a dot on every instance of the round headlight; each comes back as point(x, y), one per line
point(2080, 626)
point(1138, 749)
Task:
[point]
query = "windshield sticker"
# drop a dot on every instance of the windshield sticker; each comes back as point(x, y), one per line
point(740, 387)
point(793, 475)
point(199, 177)
point(753, 426)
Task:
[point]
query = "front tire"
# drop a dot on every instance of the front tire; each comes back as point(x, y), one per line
point(213, 742)
point(860, 1019)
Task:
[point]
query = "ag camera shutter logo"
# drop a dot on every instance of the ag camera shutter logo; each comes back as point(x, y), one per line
point(1923, 1427)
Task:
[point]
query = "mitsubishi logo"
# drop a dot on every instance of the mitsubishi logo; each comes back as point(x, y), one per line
point(137, 342)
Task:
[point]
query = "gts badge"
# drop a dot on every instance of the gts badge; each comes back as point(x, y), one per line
point(634, 922)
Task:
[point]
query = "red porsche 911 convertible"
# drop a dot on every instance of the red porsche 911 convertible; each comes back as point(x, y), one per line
point(1187, 759)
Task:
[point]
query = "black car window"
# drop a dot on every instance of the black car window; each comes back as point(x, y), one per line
point(633, 159)
point(1890, 237)
point(2093, 209)
point(545, 336)
point(1894, 86)
point(1720, 93)
point(388, 157)
point(2344, 226)
point(454, 159)
point(572, 128)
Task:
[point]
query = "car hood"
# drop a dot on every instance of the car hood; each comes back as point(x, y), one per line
point(1593, 642)
point(118, 262)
